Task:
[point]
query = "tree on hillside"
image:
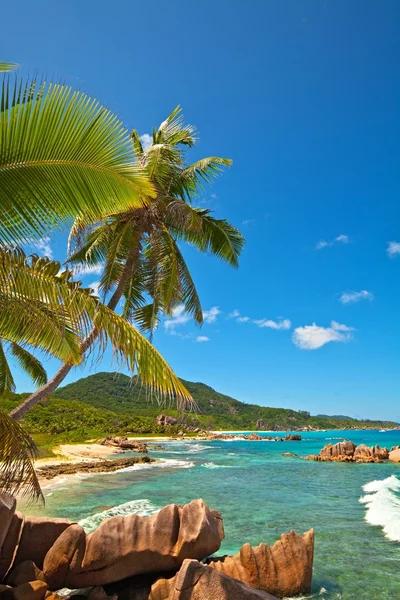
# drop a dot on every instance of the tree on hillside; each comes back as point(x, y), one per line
point(139, 246)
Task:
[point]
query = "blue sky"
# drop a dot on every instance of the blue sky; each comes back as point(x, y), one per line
point(303, 96)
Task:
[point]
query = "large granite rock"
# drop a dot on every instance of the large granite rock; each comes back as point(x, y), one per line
point(284, 569)
point(23, 573)
point(38, 536)
point(10, 533)
point(394, 455)
point(195, 581)
point(166, 421)
point(124, 443)
point(349, 452)
point(124, 546)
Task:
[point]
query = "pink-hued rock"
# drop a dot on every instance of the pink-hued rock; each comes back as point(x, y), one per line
point(394, 456)
point(349, 452)
point(125, 546)
point(284, 569)
point(196, 581)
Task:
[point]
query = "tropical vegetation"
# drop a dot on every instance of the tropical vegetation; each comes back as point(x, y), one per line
point(138, 248)
point(63, 159)
point(110, 403)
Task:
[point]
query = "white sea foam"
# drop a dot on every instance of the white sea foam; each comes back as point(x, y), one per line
point(383, 505)
point(211, 465)
point(164, 464)
point(143, 508)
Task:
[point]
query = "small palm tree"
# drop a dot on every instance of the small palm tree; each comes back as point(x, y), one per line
point(44, 308)
point(139, 246)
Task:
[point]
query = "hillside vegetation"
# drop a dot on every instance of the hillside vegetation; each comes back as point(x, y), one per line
point(107, 403)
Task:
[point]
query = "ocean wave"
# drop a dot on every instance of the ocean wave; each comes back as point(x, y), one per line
point(170, 463)
point(211, 465)
point(143, 508)
point(383, 506)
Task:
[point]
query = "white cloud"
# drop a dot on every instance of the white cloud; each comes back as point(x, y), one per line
point(147, 141)
point(210, 316)
point(95, 287)
point(243, 319)
point(214, 196)
point(281, 324)
point(312, 337)
point(351, 297)
point(202, 338)
point(248, 221)
point(179, 317)
point(393, 249)
point(82, 270)
point(340, 239)
point(340, 327)
point(235, 313)
point(43, 246)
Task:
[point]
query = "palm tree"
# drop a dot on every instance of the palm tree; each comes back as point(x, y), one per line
point(61, 154)
point(44, 308)
point(140, 246)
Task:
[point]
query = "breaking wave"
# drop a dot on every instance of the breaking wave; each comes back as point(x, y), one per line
point(165, 464)
point(143, 508)
point(211, 465)
point(382, 502)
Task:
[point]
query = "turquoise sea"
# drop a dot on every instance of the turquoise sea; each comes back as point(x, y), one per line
point(354, 508)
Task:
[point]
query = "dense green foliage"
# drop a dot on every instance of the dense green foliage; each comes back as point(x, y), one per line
point(122, 398)
point(109, 403)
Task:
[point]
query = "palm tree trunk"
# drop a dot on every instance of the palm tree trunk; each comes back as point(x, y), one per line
point(53, 383)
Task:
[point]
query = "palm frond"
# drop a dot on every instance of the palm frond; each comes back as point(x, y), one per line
point(137, 144)
point(173, 131)
point(17, 452)
point(208, 234)
point(61, 154)
point(4, 66)
point(7, 383)
point(140, 356)
point(30, 364)
point(190, 181)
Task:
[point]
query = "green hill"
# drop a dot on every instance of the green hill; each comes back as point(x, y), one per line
point(109, 403)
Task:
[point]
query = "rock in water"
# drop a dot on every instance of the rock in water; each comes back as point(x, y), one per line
point(196, 581)
point(349, 452)
point(394, 455)
point(284, 569)
point(124, 546)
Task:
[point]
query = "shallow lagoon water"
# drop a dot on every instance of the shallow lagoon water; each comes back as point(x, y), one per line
point(262, 494)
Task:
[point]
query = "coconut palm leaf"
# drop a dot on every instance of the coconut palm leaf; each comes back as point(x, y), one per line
point(8, 66)
point(51, 312)
point(17, 452)
point(7, 383)
point(190, 181)
point(61, 154)
point(29, 363)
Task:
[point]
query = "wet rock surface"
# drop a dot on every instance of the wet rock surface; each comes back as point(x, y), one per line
point(100, 466)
